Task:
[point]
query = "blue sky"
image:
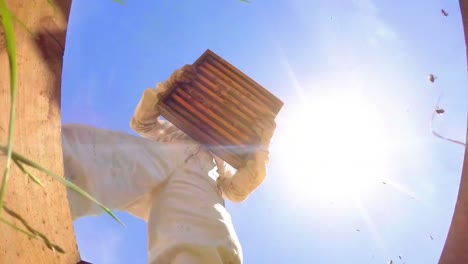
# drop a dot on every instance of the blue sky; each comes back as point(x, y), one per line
point(355, 174)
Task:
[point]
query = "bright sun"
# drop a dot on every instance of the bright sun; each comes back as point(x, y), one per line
point(334, 147)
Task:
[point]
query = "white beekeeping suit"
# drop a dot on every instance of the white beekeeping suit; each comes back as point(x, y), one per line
point(165, 178)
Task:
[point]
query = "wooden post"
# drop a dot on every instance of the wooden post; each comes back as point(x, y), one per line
point(37, 134)
point(456, 245)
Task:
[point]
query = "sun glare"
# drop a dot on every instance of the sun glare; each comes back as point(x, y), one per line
point(334, 147)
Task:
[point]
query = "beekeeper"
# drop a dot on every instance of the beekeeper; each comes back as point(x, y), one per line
point(172, 182)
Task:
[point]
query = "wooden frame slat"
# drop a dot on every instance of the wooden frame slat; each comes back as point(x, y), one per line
point(219, 108)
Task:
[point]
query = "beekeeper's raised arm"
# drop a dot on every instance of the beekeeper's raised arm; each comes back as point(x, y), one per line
point(145, 120)
point(236, 186)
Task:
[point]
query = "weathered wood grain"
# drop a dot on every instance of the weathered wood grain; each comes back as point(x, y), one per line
point(37, 134)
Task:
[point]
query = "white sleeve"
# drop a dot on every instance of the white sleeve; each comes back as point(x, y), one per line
point(145, 120)
point(236, 186)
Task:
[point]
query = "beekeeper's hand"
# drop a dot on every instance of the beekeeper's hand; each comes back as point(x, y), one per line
point(246, 179)
point(182, 75)
point(265, 128)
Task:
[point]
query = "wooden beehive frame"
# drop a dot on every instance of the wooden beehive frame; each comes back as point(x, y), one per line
point(219, 108)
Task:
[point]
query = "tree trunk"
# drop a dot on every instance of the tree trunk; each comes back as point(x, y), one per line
point(37, 134)
point(456, 245)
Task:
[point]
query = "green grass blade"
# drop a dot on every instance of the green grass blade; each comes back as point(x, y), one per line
point(62, 180)
point(7, 25)
point(15, 18)
point(29, 234)
point(33, 231)
point(29, 174)
point(119, 1)
point(52, 4)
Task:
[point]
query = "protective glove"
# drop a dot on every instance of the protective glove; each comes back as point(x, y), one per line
point(147, 109)
point(247, 178)
point(183, 75)
point(264, 128)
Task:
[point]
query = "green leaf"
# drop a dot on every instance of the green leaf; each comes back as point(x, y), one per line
point(7, 25)
point(31, 235)
point(119, 2)
point(31, 231)
point(52, 4)
point(29, 174)
point(15, 18)
point(62, 180)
